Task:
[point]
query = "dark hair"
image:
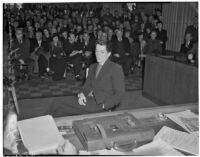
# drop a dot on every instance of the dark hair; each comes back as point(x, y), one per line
point(154, 30)
point(106, 43)
point(159, 22)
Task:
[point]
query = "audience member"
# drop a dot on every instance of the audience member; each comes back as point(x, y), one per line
point(161, 36)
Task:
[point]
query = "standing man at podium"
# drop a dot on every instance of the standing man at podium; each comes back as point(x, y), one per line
point(102, 91)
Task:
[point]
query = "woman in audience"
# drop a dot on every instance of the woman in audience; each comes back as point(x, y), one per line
point(57, 63)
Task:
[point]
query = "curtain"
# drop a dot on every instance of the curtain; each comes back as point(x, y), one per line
point(176, 17)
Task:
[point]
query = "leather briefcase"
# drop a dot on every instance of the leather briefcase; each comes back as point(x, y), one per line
point(122, 131)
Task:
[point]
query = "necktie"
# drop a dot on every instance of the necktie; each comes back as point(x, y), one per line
point(98, 70)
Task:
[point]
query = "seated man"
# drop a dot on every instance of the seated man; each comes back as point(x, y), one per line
point(121, 52)
point(153, 45)
point(103, 89)
point(74, 54)
point(21, 47)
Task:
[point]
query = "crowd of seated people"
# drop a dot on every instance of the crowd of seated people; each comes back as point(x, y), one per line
point(54, 37)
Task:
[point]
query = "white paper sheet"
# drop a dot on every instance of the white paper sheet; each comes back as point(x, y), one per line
point(179, 140)
point(186, 119)
point(40, 135)
point(156, 148)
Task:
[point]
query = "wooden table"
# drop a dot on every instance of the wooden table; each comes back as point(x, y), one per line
point(167, 81)
point(147, 115)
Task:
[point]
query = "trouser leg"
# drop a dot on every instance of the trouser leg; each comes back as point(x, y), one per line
point(68, 106)
point(42, 64)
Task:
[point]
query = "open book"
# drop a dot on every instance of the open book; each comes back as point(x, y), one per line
point(40, 135)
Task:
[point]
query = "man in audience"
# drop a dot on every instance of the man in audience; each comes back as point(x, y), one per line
point(22, 47)
point(187, 45)
point(35, 46)
point(121, 52)
point(74, 54)
point(161, 36)
point(193, 29)
point(88, 47)
point(102, 90)
point(153, 45)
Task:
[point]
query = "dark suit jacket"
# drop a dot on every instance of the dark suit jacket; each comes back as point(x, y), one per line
point(24, 48)
point(185, 49)
point(34, 44)
point(108, 88)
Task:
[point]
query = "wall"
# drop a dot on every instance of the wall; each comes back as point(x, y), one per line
point(176, 17)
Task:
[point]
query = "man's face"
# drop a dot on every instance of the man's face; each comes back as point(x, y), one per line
point(38, 36)
point(72, 38)
point(119, 34)
point(110, 32)
point(153, 35)
point(127, 34)
point(86, 36)
point(64, 34)
point(104, 36)
point(101, 53)
point(55, 39)
point(160, 25)
point(19, 34)
point(188, 37)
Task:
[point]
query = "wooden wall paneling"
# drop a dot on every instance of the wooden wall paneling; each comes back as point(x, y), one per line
point(186, 84)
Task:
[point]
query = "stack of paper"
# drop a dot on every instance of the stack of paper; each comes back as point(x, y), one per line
point(186, 119)
point(156, 148)
point(179, 140)
point(40, 135)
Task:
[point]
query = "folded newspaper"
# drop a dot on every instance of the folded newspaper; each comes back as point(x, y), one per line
point(187, 120)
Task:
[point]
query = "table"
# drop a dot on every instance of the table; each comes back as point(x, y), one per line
point(146, 115)
point(167, 81)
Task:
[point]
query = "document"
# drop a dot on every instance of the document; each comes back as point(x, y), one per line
point(40, 135)
point(156, 148)
point(187, 120)
point(179, 140)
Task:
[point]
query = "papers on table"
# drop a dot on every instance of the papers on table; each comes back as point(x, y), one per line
point(179, 140)
point(186, 119)
point(40, 135)
point(156, 148)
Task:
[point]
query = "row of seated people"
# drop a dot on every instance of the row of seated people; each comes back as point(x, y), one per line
point(67, 48)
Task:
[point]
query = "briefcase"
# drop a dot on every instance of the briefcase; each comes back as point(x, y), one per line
point(118, 131)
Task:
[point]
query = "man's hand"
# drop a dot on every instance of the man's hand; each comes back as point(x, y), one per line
point(117, 55)
point(82, 99)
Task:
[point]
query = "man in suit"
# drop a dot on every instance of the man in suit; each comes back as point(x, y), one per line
point(102, 90)
point(36, 45)
point(22, 47)
point(187, 45)
point(161, 36)
point(121, 52)
point(193, 29)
